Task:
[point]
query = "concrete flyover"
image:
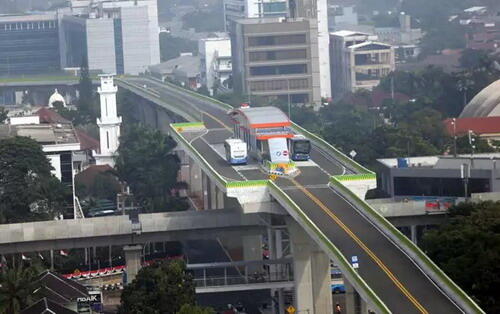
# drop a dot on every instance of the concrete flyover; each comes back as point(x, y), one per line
point(326, 202)
point(119, 230)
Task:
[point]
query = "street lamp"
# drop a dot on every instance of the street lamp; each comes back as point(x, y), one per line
point(454, 123)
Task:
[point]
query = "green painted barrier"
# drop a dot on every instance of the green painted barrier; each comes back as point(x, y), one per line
point(175, 134)
point(331, 149)
point(246, 184)
point(409, 245)
point(333, 249)
point(188, 125)
point(356, 177)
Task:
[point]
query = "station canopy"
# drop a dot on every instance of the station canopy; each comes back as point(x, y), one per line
point(262, 117)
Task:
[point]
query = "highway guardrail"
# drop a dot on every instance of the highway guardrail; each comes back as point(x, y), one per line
point(432, 270)
point(339, 257)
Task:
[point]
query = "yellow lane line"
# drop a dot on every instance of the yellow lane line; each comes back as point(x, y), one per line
point(364, 247)
point(217, 119)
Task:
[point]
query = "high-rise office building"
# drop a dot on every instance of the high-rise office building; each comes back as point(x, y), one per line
point(277, 58)
point(314, 10)
point(115, 37)
point(243, 9)
point(29, 44)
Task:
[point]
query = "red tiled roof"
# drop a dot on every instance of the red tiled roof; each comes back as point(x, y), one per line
point(50, 116)
point(479, 125)
point(87, 142)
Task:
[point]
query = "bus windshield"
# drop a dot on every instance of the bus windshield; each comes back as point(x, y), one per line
point(302, 147)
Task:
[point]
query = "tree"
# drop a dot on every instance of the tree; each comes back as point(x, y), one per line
point(86, 105)
point(28, 190)
point(160, 288)
point(195, 309)
point(16, 288)
point(171, 47)
point(3, 114)
point(147, 163)
point(467, 248)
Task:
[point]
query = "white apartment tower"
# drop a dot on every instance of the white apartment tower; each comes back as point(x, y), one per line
point(109, 123)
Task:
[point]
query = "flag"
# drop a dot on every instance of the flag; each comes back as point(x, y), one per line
point(25, 258)
point(63, 253)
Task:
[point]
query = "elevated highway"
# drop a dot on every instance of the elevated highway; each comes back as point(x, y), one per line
point(120, 230)
point(326, 200)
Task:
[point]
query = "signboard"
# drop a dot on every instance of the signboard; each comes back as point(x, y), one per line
point(90, 304)
point(354, 262)
point(278, 150)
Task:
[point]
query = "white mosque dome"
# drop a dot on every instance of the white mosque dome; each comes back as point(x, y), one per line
point(485, 104)
point(56, 97)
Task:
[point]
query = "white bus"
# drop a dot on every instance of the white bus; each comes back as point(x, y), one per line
point(236, 151)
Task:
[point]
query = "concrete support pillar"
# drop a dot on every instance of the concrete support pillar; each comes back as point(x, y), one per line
point(252, 251)
point(354, 304)
point(220, 198)
point(205, 186)
point(195, 181)
point(312, 273)
point(413, 233)
point(213, 195)
point(133, 255)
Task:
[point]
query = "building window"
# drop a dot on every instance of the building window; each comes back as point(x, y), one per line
point(278, 40)
point(278, 55)
point(278, 69)
point(107, 138)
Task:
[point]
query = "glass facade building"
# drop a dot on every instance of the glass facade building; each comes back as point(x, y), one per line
point(29, 44)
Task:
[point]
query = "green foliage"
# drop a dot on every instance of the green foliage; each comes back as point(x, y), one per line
point(87, 105)
point(16, 288)
point(171, 47)
point(481, 145)
point(467, 248)
point(211, 20)
point(29, 190)
point(147, 163)
point(3, 114)
point(160, 288)
point(195, 309)
point(104, 186)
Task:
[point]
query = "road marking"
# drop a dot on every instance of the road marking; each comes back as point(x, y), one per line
point(370, 253)
point(217, 120)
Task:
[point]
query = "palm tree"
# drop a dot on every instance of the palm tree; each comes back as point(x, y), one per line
point(16, 288)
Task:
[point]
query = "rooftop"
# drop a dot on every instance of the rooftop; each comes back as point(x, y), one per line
point(186, 63)
point(28, 18)
point(347, 33)
point(479, 161)
point(485, 103)
point(50, 129)
point(260, 116)
point(479, 125)
point(44, 306)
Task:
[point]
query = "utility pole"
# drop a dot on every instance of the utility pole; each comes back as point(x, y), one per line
point(289, 106)
point(454, 123)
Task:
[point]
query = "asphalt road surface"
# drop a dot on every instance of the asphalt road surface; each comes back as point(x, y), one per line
point(401, 285)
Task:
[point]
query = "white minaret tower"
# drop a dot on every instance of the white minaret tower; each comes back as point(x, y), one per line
point(109, 123)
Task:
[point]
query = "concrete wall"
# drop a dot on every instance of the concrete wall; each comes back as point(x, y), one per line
point(136, 43)
point(101, 45)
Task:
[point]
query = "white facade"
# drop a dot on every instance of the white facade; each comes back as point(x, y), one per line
point(323, 52)
point(241, 9)
point(215, 54)
point(358, 61)
point(109, 123)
